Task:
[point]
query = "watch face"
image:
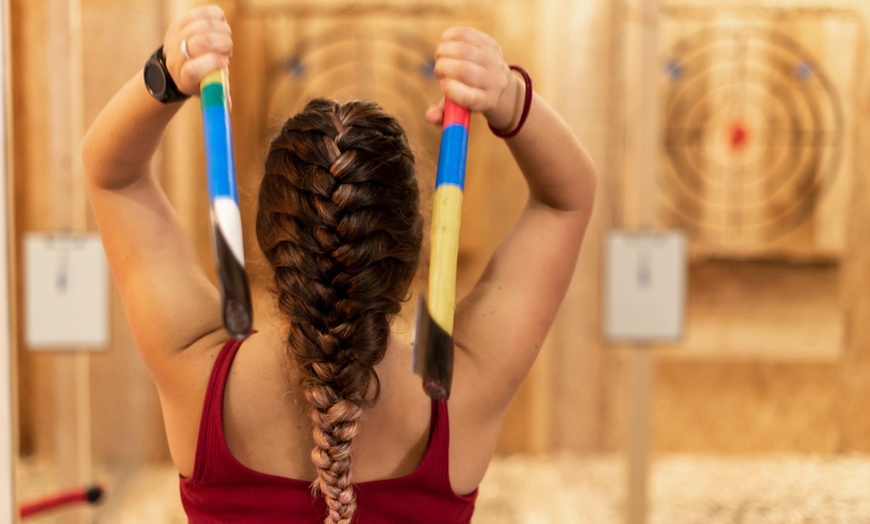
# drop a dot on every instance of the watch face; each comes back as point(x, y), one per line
point(155, 81)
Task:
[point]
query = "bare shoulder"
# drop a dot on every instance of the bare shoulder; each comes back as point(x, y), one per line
point(182, 396)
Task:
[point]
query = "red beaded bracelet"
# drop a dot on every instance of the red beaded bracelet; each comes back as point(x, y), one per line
point(527, 105)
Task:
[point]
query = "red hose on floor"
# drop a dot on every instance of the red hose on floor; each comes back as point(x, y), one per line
point(90, 495)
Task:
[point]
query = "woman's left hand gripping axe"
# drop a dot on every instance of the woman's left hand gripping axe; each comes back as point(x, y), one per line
point(433, 338)
point(223, 196)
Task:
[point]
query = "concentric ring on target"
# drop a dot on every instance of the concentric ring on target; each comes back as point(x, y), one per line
point(753, 135)
point(392, 66)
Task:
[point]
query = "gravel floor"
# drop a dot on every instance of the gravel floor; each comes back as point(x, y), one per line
point(558, 489)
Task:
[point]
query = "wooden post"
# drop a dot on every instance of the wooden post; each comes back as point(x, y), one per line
point(639, 433)
point(8, 436)
point(642, 364)
point(71, 370)
point(181, 150)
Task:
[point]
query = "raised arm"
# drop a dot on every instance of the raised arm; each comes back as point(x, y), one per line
point(501, 324)
point(169, 302)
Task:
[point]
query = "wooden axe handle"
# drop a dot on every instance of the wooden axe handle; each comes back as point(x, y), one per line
point(447, 213)
point(433, 340)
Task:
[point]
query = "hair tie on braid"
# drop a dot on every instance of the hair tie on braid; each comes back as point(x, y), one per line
point(339, 222)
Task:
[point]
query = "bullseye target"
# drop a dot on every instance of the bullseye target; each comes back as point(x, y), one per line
point(754, 135)
point(390, 66)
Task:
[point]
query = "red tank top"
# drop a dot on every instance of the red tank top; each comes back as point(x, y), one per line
point(223, 490)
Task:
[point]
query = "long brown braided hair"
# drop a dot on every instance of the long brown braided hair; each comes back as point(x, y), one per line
point(339, 221)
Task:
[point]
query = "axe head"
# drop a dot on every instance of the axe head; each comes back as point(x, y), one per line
point(235, 291)
point(433, 354)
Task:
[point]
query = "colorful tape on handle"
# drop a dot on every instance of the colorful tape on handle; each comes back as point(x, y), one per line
point(223, 196)
point(447, 214)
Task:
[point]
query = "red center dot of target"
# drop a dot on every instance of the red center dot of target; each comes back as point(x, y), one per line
point(738, 137)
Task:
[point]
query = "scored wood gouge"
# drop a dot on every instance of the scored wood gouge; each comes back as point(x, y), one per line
point(433, 337)
point(226, 218)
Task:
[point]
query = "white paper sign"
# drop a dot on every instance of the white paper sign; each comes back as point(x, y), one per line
point(66, 292)
point(645, 286)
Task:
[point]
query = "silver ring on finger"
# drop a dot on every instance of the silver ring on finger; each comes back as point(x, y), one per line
point(184, 50)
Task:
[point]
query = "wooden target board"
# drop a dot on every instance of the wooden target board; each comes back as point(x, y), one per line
point(376, 60)
point(756, 130)
point(382, 55)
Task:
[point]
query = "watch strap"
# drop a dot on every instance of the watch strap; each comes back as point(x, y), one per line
point(171, 93)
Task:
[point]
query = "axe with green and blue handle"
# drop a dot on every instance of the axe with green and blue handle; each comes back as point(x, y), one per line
point(226, 218)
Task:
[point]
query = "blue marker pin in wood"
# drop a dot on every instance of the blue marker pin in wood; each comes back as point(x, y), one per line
point(433, 338)
point(223, 197)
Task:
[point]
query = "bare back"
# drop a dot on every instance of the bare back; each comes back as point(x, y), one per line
point(268, 430)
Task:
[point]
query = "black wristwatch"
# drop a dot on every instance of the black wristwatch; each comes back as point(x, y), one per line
point(159, 82)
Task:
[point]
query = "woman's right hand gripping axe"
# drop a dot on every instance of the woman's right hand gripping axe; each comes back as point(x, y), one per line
point(433, 338)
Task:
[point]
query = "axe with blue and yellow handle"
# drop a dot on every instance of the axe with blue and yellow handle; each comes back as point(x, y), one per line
point(226, 218)
point(433, 338)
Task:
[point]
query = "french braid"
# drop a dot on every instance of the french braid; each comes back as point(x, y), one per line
point(339, 221)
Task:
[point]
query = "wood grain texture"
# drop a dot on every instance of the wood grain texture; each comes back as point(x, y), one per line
point(789, 370)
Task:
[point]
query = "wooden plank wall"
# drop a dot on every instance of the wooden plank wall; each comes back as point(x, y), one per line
point(118, 381)
point(123, 402)
point(774, 358)
point(574, 397)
